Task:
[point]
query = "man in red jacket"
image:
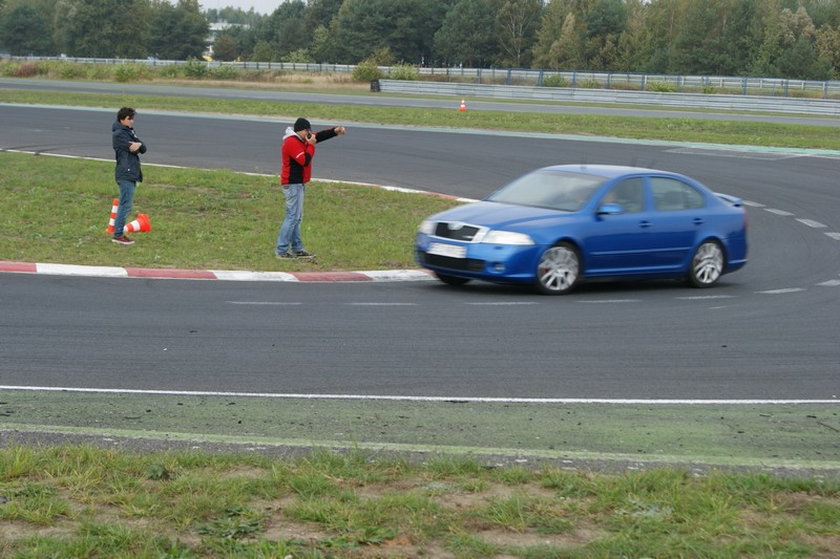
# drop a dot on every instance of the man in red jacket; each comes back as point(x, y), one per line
point(295, 171)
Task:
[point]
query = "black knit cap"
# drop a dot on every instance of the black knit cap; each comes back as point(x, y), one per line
point(302, 124)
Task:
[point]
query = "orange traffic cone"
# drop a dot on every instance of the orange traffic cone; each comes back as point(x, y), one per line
point(463, 107)
point(114, 207)
point(139, 225)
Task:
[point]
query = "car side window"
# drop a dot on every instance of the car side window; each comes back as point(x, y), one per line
point(671, 194)
point(629, 193)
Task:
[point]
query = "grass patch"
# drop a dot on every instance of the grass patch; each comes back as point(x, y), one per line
point(200, 219)
point(683, 129)
point(104, 504)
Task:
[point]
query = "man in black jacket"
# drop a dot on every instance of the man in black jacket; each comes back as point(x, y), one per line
point(127, 150)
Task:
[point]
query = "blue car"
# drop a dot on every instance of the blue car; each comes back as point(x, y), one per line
point(557, 226)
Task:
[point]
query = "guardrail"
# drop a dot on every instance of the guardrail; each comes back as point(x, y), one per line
point(564, 94)
point(574, 79)
point(587, 79)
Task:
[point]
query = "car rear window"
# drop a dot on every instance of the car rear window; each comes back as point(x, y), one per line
point(671, 194)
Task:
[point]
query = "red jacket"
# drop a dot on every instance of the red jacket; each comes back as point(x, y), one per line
point(296, 156)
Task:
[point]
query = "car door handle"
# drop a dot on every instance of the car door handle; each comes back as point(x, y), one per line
point(698, 221)
point(644, 224)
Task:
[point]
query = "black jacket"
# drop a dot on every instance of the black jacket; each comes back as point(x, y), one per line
point(128, 164)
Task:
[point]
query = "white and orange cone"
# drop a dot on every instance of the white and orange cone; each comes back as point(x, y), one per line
point(463, 107)
point(115, 205)
point(139, 225)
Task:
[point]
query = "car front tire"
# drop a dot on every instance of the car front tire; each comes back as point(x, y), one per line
point(706, 265)
point(558, 270)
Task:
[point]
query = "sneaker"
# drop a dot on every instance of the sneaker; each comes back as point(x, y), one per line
point(304, 254)
point(122, 240)
point(284, 255)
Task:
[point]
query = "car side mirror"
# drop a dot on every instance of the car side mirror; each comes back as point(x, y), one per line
point(610, 208)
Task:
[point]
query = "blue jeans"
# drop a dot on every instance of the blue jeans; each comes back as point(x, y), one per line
point(126, 201)
point(289, 235)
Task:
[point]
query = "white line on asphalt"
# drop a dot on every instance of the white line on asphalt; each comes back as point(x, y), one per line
point(778, 212)
point(267, 303)
point(835, 236)
point(375, 304)
point(705, 297)
point(445, 399)
point(737, 153)
point(782, 291)
point(811, 223)
point(830, 283)
point(502, 303)
point(600, 301)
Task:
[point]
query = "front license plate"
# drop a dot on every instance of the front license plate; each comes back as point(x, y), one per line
point(452, 251)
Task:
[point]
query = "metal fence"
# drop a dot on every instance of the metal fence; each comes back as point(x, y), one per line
point(580, 79)
point(736, 85)
point(828, 107)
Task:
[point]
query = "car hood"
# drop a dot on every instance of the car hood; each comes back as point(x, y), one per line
point(498, 216)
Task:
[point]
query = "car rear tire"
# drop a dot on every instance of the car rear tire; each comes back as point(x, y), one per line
point(558, 270)
point(706, 265)
point(452, 280)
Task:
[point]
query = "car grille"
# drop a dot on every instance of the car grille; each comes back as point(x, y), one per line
point(456, 231)
point(462, 264)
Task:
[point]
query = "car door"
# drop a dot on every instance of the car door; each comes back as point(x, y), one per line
point(677, 216)
point(618, 242)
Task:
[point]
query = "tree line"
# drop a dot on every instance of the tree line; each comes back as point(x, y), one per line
point(797, 39)
point(103, 28)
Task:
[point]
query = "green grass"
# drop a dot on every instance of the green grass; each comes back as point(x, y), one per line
point(80, 501)
point(679, 128)
point(773, 436)
point(199, 219)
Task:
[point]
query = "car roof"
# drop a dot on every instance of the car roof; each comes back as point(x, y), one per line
point(606, 171)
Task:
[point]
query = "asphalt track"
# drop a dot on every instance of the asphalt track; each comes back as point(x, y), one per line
point(769, 332)
point(425, 340)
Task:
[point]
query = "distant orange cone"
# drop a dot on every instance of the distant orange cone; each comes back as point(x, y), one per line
point(139, 225)
point(463, 107)
point(114, 207)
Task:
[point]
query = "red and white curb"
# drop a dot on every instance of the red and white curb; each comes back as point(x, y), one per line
point(229, 275)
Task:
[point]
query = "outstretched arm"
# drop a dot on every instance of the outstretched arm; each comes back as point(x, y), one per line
point(329, 133)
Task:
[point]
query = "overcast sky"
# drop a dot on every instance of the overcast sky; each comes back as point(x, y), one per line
point(261, 6)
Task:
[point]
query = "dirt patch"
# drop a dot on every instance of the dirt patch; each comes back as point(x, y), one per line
point(572, 540)
point(15, 530)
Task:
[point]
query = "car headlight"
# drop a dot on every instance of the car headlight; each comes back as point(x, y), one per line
point(427, 227)
point(507, 238)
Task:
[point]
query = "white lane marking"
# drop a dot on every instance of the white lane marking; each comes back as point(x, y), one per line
point(753, 204)
point(644, 401)
point(600, 301)
point(705, 297)
point(835, 236)
point(830, 283)
point(724, 151)
point(265, 303)
point(782, 291)
point(778, 212)
point(812, 223)
point(502, 303)
point(375, 304)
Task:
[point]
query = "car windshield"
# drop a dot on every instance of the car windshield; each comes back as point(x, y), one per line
point(544, 188)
